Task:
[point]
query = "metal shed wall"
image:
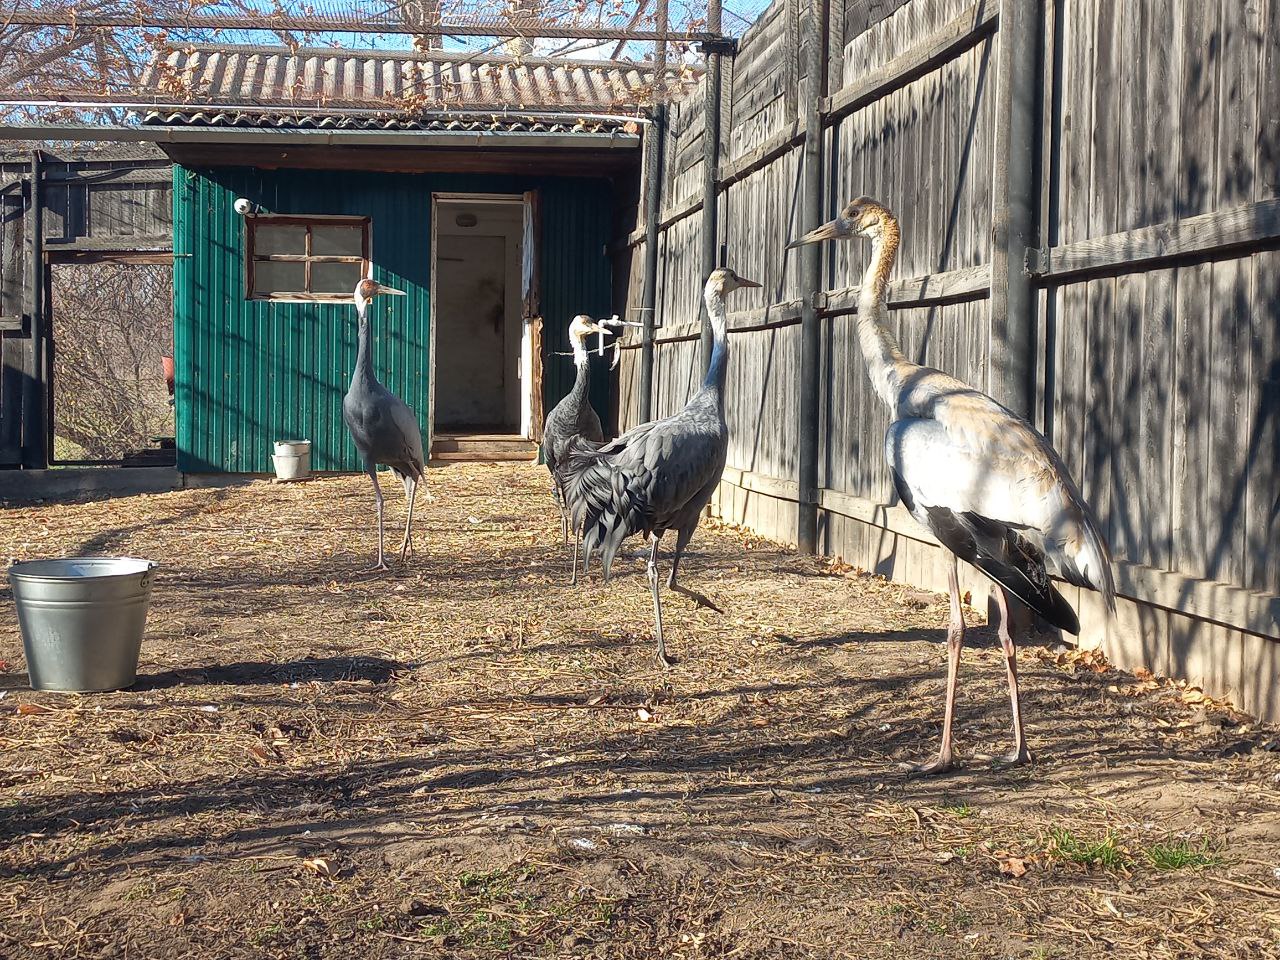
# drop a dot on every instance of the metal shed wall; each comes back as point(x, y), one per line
point(251, 372)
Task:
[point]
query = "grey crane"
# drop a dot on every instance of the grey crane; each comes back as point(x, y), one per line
point(659, 475)
point(978, 476)
point(572, 417)
point(382, 425)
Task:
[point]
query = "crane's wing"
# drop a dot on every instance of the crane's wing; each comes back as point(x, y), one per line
point(996, 495)
point(640, 481)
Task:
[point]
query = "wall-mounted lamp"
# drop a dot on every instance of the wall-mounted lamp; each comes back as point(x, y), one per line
point(245, 207)
point(466, 220)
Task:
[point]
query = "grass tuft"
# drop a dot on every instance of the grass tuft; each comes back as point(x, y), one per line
point(1180, 854)
point(1104, 853)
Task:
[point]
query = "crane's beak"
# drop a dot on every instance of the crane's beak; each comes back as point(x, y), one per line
point(391, 290)
point(744, 282)
point(837, 229)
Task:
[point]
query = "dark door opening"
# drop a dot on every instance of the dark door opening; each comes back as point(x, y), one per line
point(479, 332)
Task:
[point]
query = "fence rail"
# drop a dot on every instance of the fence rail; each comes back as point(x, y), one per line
point(1149, 344)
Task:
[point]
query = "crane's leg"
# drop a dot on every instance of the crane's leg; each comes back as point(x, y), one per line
point(1019, 754)
point(955, 640)
point(377, 495)
point(410, 495)
point(652, 570)
point(682, 541)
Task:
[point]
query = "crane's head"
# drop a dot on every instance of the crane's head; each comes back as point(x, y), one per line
point(862, 217)
point(723, 280)
point(582, 326)
point(367, 289)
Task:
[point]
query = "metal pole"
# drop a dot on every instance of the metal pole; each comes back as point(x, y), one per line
point(34, 447)
point(813, 30)
point(653, 136)
point(710, 158)
point(1014, 202)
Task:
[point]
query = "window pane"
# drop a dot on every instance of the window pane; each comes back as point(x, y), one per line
point(337, 242)
point(335, 277)
point(274, 276)
point(280, 238)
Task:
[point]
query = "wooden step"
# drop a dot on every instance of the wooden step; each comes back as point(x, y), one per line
point(488, 456)
point(511, 446)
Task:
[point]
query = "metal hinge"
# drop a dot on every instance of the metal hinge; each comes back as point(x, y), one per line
point(727, 45)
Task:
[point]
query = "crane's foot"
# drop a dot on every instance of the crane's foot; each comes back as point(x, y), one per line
point(379, 567)
point(939, 764)
point(406, 550)
point(698, 598)
point(1017, 757)
point(665, 660)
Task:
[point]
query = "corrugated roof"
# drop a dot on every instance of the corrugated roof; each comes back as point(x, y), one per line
point(386, 89)
point(452, 122)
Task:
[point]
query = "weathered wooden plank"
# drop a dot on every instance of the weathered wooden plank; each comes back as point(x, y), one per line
point(1077, 118)
point(1132, 37)
point(961, 33)
point(1224, 231)
point(108, 243)
point(1197, 146)
point(1238, 91)
point(1162, 110)
point(1228, 433)
point(1262, 403)
point(1191, 426)
point(1267, 151)
point(761, 156)
point(1105, 129)
point(1156, 376)
point(1131, 509)
point(915, 291)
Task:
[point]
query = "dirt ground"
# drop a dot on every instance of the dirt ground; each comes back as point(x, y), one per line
point(468, 758)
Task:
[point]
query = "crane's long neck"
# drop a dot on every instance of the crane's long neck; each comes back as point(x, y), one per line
point(364, 348)
point(719, 339)
point(879, 348)
point(581, 361)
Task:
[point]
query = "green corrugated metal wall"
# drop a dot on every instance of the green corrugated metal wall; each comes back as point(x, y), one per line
point(251, 372)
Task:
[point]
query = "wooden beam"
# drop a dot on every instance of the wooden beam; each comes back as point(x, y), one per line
point(55, 249)
point(948, 42)
point(1238, 229)
point(11, 323)
point(968, 283)
point(787, 490)
point(156, 257)
point(766, 318)
point(147, 176)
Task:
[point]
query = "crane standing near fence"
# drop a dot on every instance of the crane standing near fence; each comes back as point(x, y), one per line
point(660, 475)
point(382, 425)
point(572, 417)
point(979, 477)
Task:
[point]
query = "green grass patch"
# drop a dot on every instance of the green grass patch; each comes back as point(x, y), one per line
point(1105, 853)
point(961, 811)
point(1181, 854)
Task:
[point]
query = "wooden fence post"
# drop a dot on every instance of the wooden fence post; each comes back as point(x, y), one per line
point(1014, 200)
point(653, 137)
point(35, 401)
point(814, 31)
point(710, 160)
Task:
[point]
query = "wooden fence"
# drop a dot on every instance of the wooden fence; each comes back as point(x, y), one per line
point(1155, 260)
point(90, 204)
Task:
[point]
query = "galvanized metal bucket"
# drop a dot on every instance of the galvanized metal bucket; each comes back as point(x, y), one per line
point(82, 620)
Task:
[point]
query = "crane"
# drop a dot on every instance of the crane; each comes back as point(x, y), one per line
point(659, 475)
point(572, 417)
point(978, 476)
point(383, 426)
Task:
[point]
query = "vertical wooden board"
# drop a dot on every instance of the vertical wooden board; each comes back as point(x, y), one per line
point(1077, 118)
point(1155, 378)
point(1198, 167)
point(1262, 402)
point(1131, 102)
point(1070, 428)
point(1190, 422)
point(1241, 46)
point(1099, 443)
point(1228, 432)
point(1161, 113)
point(1267, 151)
point(1131, 509)
point(1105, 164)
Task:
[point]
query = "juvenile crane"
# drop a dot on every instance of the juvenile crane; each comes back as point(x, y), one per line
point(572, 417)
point(659, 475)
point(382, 425)
point(978, 476)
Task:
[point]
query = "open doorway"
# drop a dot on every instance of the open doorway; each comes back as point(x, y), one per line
point(481, 341)
point(112, 376)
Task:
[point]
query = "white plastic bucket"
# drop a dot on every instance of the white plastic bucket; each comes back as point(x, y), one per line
point(292, 459)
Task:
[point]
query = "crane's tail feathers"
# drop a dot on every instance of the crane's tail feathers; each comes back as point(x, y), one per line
point(603, 500)
point(1007, 557)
